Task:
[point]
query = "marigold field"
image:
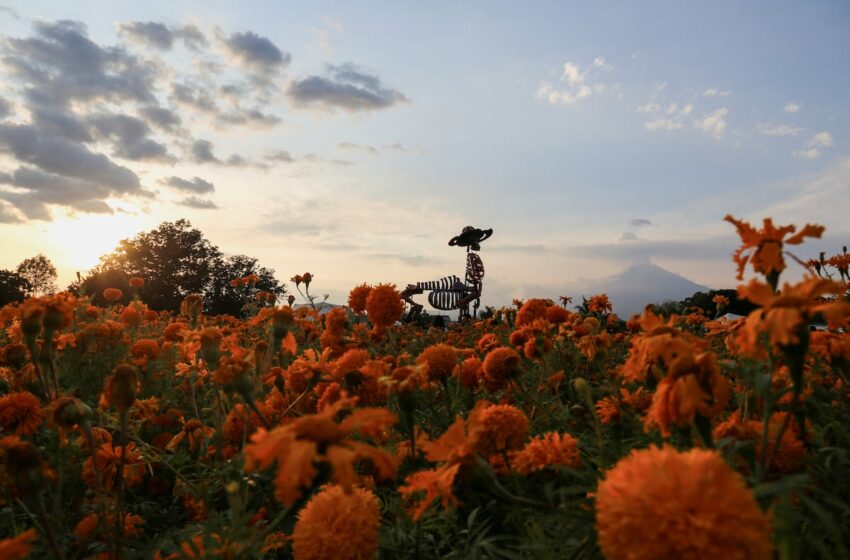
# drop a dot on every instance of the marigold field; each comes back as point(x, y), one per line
point(543, 431)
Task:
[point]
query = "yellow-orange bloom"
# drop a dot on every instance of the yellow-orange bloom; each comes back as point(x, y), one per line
point(357, 298)
point(531, 310)
point(337, 524)
point(384, 305)
point(440, 361)
point(785, 316)
point(499, 428)
point(112, 294)
point(19, 546)
point(499, 365)
point(20, 413)
point(694, 385)
point(108, 460)
point(696, 505)
point(297, 446)
point(763, 248)
point(545, 451)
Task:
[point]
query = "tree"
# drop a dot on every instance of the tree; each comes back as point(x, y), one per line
point(224, 299)
point(176, 260)
point(40, 273)
point(13, 287)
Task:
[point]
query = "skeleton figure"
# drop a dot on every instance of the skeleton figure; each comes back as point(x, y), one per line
point(449, 293)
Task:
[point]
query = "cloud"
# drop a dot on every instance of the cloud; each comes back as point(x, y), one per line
point(662, 124)
point(576, 84)
point(792, 107)
point(811, 153)
point(649, 108)
point(640, 222)
point(714, 123)
point(344, 87)
point(250, 117)
point(129, 138)
point(281, 156)
point(149, 33)
point(162, 118)
point(41, 188)
point(819, 140)
point(8, 215)
point(627, 236)
point(357, 147)
point(161, 36)
point(196, 184)
point(56, 155)
point(256, 53)
point(57, 121)
point(60, 64)
point(5, 108)
point(822, 139)
point(201, 151)
point(715, 92)
point(673, 117)
point(409, 260)
point(198, 203)
point(778, 129)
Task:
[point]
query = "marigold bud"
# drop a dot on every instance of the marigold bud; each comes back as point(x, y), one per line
point(120, 388)
point(32, 316)
point(211, 346)
point(70, 411)
point(112, 294)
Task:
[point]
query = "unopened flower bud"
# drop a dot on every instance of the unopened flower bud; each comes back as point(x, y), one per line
point(120, 388)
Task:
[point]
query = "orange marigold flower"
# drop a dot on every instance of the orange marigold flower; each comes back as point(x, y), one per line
point(470, 372)
point(499, 366)
point(337, 523)
point(694, 385)
point(499, 428)
point(659, 344)
point(136, 282)
point(384, 305)
point(557, 315)
point(545, 451)
point(694, 499)
point(108, 459)
point(785, 316)
point(607, 410)
point(309, 439)
point(763, 248)
point(91, 527)
point(599, 304)
point(488, 342)
point(112, 294)
point(440, 361)
point(357, 298)
point(532, 310)
point(349, 363)
point(20, 413)
point(788, 457)
point(144, 351)
point(19, 546)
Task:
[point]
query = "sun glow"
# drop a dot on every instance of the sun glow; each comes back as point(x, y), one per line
point(77, 243)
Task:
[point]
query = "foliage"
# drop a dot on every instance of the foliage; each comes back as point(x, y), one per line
point(40, 273)
point(176, 260)
point(13, 287)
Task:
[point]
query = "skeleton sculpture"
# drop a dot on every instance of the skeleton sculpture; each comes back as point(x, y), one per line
point(449, 293)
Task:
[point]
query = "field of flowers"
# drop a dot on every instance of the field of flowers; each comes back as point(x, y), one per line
point(540, 432)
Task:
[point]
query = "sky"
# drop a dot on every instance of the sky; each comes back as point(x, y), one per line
point(353, 140)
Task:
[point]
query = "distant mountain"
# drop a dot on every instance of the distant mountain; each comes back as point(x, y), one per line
point(642, 284)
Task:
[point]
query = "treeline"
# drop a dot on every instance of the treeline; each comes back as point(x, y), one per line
point(174, 260)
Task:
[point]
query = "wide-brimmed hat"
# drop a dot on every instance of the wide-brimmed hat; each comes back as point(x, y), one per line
point(470, 237)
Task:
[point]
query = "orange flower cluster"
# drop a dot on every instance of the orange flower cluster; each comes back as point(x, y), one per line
point(337, 523)
point(297, 446)
point(700, 506)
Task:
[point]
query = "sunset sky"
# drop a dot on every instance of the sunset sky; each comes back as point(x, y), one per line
point(353, 139)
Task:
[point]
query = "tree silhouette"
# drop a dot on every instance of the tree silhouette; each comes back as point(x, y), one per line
point(13, 287)
point(176, 260)
point(40, 273)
